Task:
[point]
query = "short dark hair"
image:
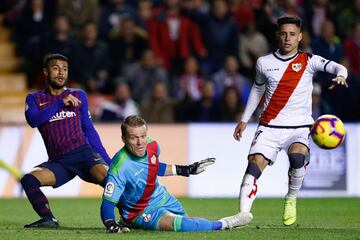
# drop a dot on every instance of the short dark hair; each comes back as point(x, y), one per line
point(289, 20)
point(132, 121)
point(52, 56)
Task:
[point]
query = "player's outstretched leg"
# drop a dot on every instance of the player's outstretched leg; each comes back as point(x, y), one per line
point(192, 224)
point(39, 202)
point(238, 220)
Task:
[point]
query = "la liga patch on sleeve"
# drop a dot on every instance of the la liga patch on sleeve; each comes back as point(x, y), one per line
point(109, 189)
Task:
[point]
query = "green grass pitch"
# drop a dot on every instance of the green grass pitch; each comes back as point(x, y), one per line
point(319, 218)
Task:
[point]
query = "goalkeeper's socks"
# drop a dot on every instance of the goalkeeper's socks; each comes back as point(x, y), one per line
point(296, 178)
point(248, 192)
point(36, 197)
point(187, 224)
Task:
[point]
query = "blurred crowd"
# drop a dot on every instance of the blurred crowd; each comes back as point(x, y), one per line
point(181, 60)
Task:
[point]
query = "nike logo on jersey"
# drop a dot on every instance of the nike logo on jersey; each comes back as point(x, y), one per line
point(43, 103)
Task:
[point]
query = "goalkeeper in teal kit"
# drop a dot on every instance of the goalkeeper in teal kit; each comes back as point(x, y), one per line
point(132, 185)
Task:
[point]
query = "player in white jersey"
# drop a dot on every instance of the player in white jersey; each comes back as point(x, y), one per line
point(284, 82)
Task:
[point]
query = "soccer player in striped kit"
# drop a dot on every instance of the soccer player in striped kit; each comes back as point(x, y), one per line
point(72, 143)
point(284, 81)
point(132, 184)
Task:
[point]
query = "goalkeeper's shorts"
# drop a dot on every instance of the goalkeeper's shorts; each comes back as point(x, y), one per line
point(149, 219)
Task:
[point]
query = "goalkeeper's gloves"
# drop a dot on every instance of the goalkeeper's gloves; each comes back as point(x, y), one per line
point(113, 227)
point(195, 168)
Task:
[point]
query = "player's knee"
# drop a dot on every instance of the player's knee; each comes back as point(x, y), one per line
point(253, 169)
point(297, 160)
point(28, 180)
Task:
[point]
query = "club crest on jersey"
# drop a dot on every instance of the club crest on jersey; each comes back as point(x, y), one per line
point(147, 217)
point(296, 67)
point(109, 189)
point(153, 159)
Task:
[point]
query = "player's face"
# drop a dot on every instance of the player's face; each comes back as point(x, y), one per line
point(56, 73)
point(135, 140)
point(288, 37)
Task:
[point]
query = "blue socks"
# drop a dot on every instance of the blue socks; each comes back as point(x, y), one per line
point(187, 224)
point(36, 197)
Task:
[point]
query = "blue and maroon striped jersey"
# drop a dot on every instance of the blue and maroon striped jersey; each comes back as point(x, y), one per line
point(63, 128)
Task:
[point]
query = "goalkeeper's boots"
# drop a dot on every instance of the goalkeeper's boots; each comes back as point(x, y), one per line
point(238, 220)
point(44, 223)
point(289, 216)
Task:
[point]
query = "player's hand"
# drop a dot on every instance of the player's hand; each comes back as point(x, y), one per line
point(71, 100)
point(339, 80)
point(113, 227)
point(240, 128)
point(195, 168)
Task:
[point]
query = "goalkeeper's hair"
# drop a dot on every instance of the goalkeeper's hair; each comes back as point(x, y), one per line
point(132, 121)
point(289, 20)
point(53, 56)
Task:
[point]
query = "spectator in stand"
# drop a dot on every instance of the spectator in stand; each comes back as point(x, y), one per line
point(206, 109)
point(231, 105)
point(35, 18)
point(144, 14)
point(253, 44)
point(79, 12)
point(158, 108)
point(120, 107)
point(142, 75)
point(58, 40)
point(316, 13)
point(243, 14)
point(352, 49)
point(126, 47)
point(348, 17)
point(174, 37)
point(220, 35)
point(190, 82)
point(229, 76)
point(112, 15)
point(93, 57)
point(327, 44)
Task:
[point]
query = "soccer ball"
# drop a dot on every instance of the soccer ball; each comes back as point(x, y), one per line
point(328, 131)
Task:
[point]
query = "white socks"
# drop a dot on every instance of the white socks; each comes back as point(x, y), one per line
point(248, 192)
point(296, 177)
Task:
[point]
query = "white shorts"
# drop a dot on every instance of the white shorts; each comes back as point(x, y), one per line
point(270, 141)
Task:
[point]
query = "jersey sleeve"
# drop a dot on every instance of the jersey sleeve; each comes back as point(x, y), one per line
point(114, 187)
point(260, 78)
point(36, 117)
point(318, 63)
point(90, 131)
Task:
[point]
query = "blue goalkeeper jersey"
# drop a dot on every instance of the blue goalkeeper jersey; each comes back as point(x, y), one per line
point(132, 181)
point(63, 128)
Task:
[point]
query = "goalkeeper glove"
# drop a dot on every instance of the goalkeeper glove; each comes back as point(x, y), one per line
point(113, 227)
point(195, 168)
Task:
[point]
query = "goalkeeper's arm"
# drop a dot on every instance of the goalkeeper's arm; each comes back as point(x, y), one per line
point(185, 170)
point(108, 218)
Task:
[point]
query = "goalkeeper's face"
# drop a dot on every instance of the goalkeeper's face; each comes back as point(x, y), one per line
point(135, 140)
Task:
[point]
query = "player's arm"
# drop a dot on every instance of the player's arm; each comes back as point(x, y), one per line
point(112, 193)
point(256, 93)
point(321, 64)
point(36, 117)
point(184, 170)
point(90, 131)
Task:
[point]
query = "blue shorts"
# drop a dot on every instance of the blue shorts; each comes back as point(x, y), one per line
point(150, 218)
point(75, 163)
